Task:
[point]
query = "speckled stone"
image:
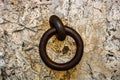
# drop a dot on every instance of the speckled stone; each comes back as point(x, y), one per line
point(23, 22)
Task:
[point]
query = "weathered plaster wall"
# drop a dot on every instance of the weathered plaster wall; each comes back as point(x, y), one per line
point(22, 23)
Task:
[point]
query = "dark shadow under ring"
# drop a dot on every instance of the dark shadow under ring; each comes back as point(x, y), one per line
point(61, 66)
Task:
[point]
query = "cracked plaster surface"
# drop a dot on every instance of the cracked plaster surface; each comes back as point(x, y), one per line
point(23, 22)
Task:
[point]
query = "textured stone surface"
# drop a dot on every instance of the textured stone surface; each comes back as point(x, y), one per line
point(23, 22)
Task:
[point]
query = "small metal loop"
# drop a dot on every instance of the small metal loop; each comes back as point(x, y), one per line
point(61, 66)
point(56, 23)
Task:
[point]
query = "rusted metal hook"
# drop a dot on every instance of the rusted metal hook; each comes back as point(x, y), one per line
point(53, 31)
point(56, 23)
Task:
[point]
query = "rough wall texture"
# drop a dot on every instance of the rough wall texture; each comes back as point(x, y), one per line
point(23, 22)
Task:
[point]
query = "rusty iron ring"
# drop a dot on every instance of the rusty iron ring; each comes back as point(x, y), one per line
point(61, 66)
point(56, 23)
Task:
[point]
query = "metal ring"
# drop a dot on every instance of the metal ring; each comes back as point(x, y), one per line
point(61, 66)
point(55, 22)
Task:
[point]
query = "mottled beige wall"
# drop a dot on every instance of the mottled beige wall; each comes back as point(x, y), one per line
point(23, 22)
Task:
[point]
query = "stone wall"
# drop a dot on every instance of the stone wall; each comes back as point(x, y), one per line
point(23, 22)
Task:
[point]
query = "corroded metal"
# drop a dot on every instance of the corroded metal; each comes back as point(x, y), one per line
point(55, 22)
point(61, 66)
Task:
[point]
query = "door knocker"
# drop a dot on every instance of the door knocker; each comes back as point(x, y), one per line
point(59, 29)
